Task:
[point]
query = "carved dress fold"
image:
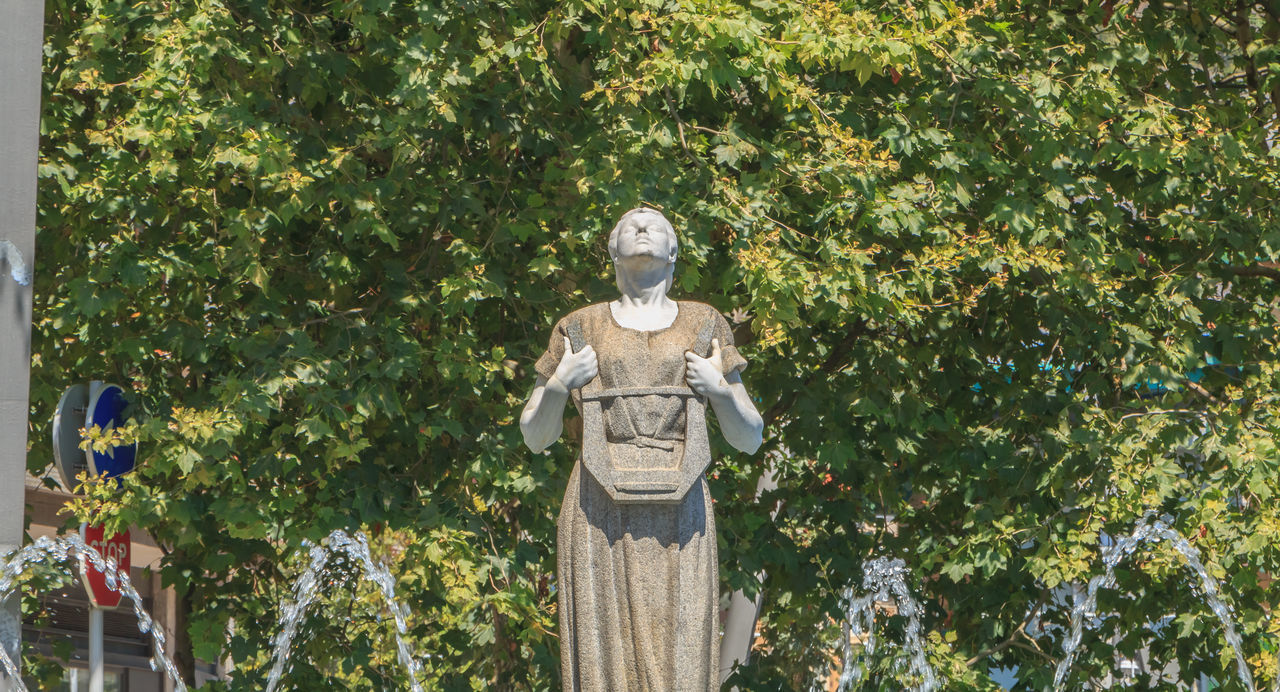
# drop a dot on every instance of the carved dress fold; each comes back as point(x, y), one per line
point(638, 586)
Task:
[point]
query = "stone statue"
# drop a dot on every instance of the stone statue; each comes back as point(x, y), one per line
point(638, 584)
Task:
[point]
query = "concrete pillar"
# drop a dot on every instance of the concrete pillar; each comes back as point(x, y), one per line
point(164, 606)
point(21, 35)
point(740, 621)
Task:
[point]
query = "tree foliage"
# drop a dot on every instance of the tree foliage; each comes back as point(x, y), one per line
point(1005, 273)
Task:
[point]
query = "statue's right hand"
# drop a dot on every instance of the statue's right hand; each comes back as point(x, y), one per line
point(576, 369)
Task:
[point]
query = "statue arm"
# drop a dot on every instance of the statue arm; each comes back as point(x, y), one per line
point(739, 421)
point(542, 420)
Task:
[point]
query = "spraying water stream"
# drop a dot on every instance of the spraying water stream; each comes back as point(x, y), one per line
point(1149, 531)
point(883, 579)
point(72, 550)
point(307, 589)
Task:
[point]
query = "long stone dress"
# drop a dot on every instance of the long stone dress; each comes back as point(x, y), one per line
point(638, 585)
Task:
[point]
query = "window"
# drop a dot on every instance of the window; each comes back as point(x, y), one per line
point(77, 680)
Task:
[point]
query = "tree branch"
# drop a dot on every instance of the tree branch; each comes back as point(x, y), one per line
point(1232, 80)
point(1202, 392)
point(1034, 650)
point(1011, 640)
point(1270, 270)
point(834, 359)
point(675, 115)
point(332, 315)
point(1244, 36)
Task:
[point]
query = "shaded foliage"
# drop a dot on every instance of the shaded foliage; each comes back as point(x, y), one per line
point(1005, 272)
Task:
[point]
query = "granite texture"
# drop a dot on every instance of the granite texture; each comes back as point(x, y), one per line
point(636, 549)
point(637, 583)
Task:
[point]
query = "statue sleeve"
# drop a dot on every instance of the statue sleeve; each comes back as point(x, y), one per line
point(728, 352)
point(550, 359)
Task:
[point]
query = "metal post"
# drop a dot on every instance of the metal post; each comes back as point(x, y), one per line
point(21, 36)
point(96, 662)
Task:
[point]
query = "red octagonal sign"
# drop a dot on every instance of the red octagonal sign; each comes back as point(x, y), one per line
point(111, 548)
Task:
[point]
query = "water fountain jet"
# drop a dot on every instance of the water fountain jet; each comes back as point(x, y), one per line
point(883, 579)
point(72, 549)
point(1149, 531)
point(306, 589)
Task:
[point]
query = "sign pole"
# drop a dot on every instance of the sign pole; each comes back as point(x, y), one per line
point(21, 37)
point(96, 673)
point(95, 613)
point(106, 409)
point(113, 549)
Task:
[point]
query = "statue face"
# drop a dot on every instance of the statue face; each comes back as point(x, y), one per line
point(645, 235)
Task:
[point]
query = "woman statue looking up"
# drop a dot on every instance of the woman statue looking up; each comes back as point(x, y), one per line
point(638, 586)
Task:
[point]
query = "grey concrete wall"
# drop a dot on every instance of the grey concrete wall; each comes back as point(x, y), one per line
point(21, 35)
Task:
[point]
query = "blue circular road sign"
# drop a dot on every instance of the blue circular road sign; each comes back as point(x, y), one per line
point(107, 409)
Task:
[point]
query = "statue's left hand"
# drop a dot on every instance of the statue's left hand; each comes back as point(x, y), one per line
point(706, 375)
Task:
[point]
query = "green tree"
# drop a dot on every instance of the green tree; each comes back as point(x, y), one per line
point(1005, 272)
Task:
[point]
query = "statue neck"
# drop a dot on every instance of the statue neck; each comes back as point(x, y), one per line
point(644, 303)
point(644, 284)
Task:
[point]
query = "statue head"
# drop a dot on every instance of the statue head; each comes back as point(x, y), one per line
point(643, 240)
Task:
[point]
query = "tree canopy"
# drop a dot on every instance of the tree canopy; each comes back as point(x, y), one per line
point(1005, 273)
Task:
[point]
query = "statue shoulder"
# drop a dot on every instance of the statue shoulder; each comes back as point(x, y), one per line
point(700, 309)
point(588, 312)
point(587, 317)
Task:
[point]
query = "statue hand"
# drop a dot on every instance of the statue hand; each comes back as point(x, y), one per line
point(706, 375)
point(576, 369)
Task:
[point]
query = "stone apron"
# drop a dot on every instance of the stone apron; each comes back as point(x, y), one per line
point(644, 469)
